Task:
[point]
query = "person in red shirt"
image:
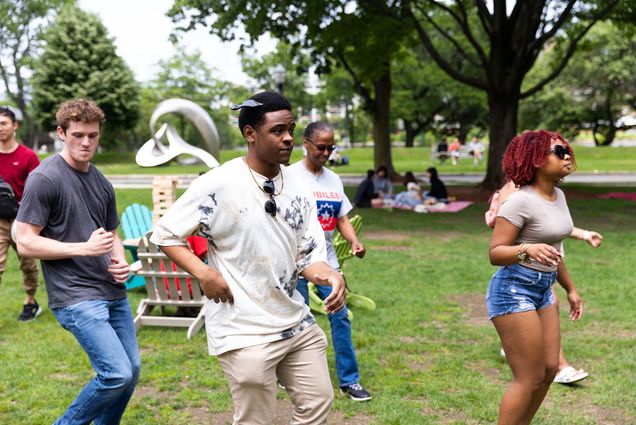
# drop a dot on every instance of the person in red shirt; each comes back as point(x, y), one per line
point(16, 162)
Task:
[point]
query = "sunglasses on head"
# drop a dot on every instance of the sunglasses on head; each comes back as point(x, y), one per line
point(323, 148)
point(270, 204)
point(560, 151)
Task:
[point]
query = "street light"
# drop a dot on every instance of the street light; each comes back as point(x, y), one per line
point(279, 77)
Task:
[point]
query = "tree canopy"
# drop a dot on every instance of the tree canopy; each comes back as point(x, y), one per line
point(79, 59)
point(21, 22)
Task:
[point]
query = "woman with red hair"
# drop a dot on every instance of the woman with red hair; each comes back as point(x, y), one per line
point(526, 242)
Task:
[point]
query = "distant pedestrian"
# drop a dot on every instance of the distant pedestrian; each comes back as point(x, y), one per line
point(16, 162)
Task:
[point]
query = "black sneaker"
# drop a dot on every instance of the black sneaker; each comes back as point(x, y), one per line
point(356, 392)
point(30, 312)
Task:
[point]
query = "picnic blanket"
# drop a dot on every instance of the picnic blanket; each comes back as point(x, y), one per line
point(628, 196)
point(451, 207)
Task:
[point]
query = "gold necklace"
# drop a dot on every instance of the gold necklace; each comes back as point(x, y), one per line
point(282, 180)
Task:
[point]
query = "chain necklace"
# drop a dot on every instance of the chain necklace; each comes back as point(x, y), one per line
point(282, 180)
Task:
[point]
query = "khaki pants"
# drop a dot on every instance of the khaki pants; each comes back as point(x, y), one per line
point(300, 364)
point(28, 266)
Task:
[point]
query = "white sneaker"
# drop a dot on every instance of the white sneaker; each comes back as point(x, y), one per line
point(569, 375)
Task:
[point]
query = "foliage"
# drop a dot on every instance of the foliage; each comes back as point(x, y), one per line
point(428, 354)
point(425, 97)
point(79, 61)
point(331, 31)
point(595, 91)
point(21, 22)
point(296, 65)
point(501, 46)
point(186, 75)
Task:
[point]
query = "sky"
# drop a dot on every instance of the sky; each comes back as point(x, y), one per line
point(141, 29)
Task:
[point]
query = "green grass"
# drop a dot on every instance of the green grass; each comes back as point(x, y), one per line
point(417, 159)
point(427, 353)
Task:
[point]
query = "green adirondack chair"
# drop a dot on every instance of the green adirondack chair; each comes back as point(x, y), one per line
point(136, 221)
point(343, 252)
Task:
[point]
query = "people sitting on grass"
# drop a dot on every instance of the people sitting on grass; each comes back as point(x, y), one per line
point(438, 192)
point(412, 196)
point(365, 191)
point(381, 184)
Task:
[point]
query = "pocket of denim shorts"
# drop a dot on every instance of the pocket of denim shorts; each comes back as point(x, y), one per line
point(525, 277)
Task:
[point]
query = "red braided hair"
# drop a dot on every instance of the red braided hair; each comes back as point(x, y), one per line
point(529, 151)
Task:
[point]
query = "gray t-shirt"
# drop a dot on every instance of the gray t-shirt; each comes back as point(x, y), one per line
point(539, 220)
point(70, 205)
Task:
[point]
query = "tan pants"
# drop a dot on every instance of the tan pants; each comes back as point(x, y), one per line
point(28, 266)
point(300, 364)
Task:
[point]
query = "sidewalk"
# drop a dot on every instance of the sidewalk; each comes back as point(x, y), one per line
point(144, 181)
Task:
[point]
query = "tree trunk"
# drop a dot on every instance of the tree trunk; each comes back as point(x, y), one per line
point(411, 133)
point(381, 133)
point(606, 138)
point(503, 128)
point(350, 125)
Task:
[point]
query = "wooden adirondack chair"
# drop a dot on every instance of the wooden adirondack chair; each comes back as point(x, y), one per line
point(136, 221)
point(343, 252)
point(167, 285)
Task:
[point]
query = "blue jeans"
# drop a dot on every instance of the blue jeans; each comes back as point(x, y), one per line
point(346, 363)
point(106, 332)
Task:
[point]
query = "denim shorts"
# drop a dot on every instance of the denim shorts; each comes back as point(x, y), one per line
point(516, 288)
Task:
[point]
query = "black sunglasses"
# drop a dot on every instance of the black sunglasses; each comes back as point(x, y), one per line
point(560, 151)
point(270, 204)
point(323, 148)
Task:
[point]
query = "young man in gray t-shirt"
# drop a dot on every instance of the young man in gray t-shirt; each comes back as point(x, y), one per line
point(68, 219)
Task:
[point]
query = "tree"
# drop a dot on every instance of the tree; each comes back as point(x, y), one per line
point(79, 60)
point(594, 92)
point(356, 40)
point(186, 75)
point(21, 22)
point(295, 64)
point(503, 45)
point(424, 97)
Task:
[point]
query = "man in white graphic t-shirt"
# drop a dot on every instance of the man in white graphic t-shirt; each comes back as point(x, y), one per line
point(262, 234)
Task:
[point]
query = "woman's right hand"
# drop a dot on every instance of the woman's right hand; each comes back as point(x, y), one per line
point(544, 254)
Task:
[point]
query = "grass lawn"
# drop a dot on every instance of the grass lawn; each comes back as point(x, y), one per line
point(427, 354)
point(590, 159)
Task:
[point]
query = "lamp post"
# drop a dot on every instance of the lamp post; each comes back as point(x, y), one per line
point(279, 77)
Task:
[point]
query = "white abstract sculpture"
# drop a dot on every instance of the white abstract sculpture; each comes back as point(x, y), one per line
point(154, 152)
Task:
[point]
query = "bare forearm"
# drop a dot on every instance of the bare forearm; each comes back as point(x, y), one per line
point(563, 277)
point(187, 260)
point(346, 230)
point(318, 269)
point(504, 255)
point(44, 248)
point(118, 248)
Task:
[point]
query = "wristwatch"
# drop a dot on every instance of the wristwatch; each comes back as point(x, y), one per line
point(522, 255)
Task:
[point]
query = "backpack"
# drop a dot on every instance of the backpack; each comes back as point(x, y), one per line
point(8, 201)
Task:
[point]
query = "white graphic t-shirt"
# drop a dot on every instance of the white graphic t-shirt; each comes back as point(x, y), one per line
point(331, 201)
point(259, 256)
